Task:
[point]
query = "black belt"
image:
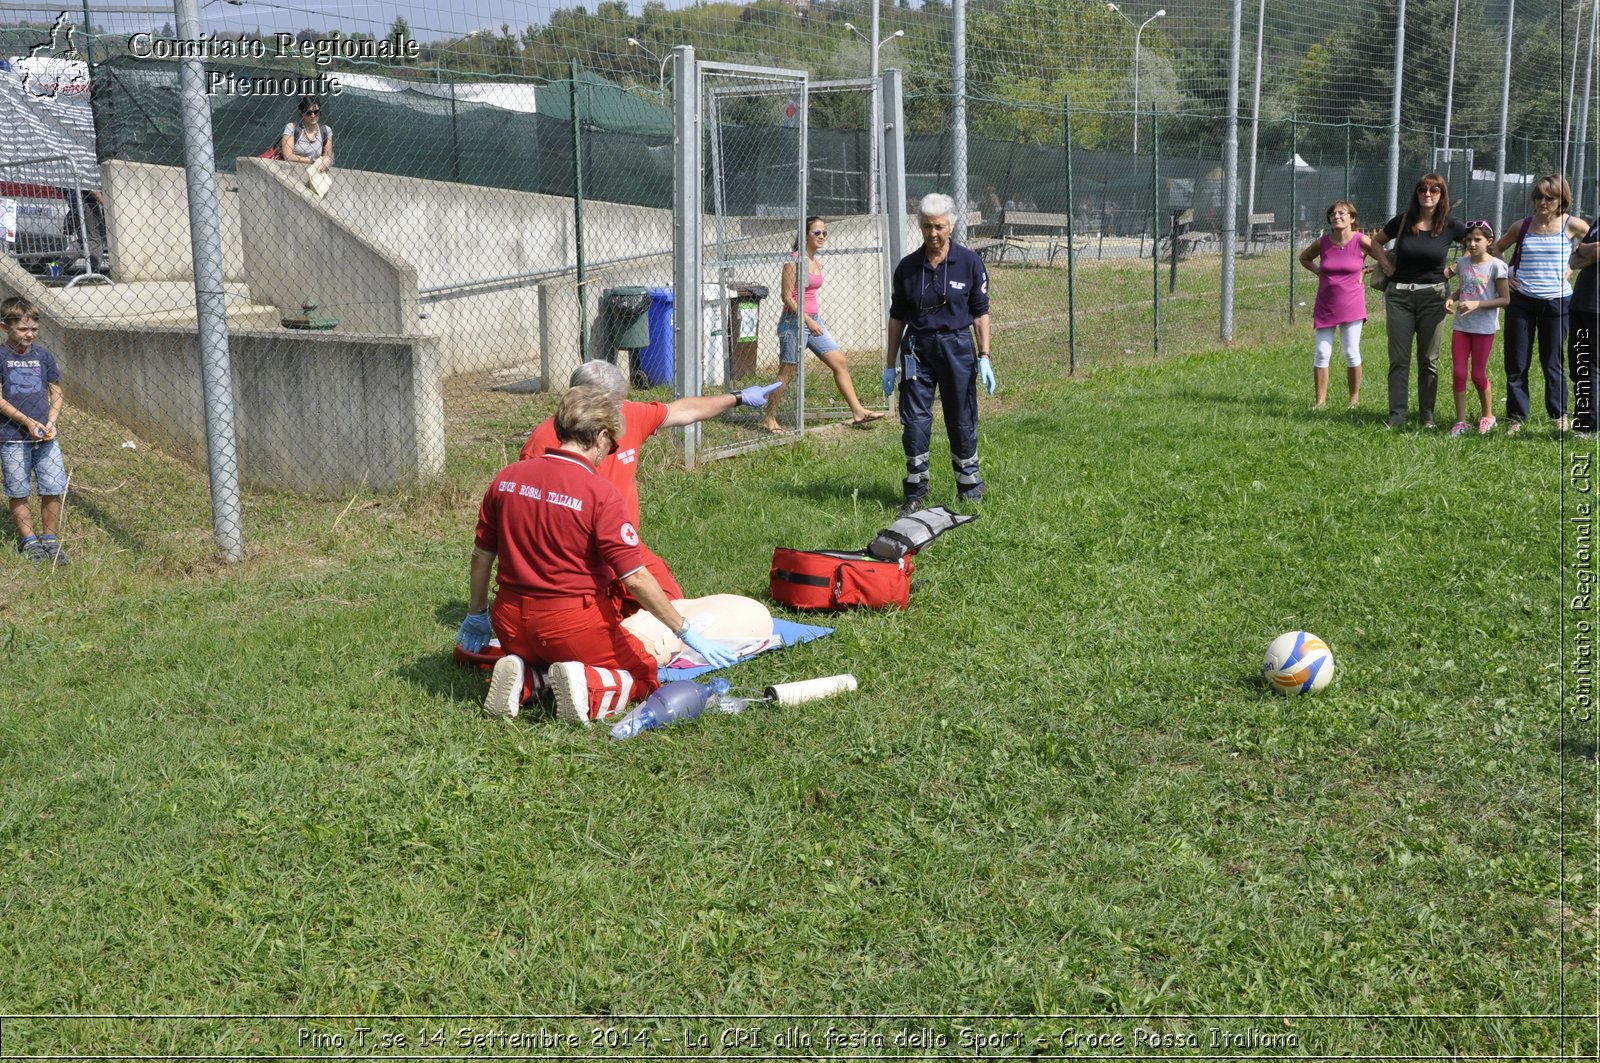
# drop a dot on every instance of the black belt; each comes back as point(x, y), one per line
point(937, 331)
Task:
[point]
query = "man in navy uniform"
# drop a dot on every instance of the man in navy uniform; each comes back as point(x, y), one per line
point(939, 306)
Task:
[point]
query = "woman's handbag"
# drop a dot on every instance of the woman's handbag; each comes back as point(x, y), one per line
point(1379, 279)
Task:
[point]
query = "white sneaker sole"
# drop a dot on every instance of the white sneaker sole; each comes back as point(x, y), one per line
point(571, 691)
point(505, 689)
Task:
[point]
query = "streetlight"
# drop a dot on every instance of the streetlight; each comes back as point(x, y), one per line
point(876, 48)
point(1136, 35)
point(661, 78)
point(877, 125)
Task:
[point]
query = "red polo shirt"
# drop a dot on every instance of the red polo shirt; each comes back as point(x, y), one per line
point(557, 528)
point(640, 421)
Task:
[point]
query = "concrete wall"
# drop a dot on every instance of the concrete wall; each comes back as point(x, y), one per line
point(147, 222)
point(492, 240)
point(314, 412)
point(458, 263)
point(298, 247)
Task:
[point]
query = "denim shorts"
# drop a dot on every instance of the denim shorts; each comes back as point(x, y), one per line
point(22, 462)
point(819, 342)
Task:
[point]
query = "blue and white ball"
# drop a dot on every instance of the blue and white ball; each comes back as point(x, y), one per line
point(1298, 663)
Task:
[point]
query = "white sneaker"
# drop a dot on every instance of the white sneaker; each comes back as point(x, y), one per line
point(571, 689)
point(505, 688)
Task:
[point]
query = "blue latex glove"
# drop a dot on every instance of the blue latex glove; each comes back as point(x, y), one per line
point(986, 373)
point(714, 652)
point(889, 376)
point(475, 632)
point(756, 394)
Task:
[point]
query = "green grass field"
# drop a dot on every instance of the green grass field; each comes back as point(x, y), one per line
point(1062, 789)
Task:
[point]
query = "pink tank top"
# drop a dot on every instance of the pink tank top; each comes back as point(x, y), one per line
point(813, 282)
point(1341, 297)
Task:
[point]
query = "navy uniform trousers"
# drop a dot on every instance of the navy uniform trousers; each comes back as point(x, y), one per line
point(946, 362)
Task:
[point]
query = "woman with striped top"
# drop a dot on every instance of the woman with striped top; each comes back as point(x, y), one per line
point(1540, 296)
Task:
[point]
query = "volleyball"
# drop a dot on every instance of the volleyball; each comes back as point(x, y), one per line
point(1298, 663)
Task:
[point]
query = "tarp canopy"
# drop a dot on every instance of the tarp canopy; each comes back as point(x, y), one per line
point(604, 104)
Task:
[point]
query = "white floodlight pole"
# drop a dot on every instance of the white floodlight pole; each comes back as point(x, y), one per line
point(1255, 117)
point(1450, 97)
point(1394, 111)
point(1572, 85)
point(1505, 111)
point(1230, 184)
point(1583, 111)
point(958, 115)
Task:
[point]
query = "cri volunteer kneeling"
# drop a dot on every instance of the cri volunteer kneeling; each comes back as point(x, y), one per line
point(557, 535)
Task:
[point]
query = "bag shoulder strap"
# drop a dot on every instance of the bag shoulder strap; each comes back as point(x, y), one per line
point(1516, 256)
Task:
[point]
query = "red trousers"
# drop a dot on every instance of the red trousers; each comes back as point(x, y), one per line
point(544, 631)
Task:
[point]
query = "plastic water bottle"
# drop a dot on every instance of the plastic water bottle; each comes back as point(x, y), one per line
point(670, 704)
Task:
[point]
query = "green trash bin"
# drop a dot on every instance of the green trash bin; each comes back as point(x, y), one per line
point(625, 312)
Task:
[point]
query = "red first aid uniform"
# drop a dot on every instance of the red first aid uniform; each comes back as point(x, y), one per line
point(640, 421)
point(561, 535)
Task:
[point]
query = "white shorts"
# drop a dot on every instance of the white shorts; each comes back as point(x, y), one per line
point(1352, 344)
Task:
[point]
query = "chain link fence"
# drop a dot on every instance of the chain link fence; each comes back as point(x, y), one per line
point(501, 207)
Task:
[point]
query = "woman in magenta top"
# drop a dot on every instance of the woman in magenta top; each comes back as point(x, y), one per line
point(1338, 259)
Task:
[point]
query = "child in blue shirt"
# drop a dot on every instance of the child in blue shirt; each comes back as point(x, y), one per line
point(30, 404)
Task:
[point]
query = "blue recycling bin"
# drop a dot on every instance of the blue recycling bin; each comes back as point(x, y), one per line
point(655, 359)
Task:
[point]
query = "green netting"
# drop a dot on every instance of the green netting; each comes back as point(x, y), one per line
point(426, 130)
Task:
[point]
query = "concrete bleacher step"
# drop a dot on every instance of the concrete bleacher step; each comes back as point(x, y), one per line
point(158, 303)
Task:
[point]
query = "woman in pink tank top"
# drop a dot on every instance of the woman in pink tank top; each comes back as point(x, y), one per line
point(1338, 258)
point(793, 333)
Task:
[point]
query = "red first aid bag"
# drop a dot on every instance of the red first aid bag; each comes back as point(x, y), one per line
point(838, 579)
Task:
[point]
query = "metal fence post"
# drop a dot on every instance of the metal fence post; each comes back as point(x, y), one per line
point(1155, 225)
point(1347, 159)
point(577, 218)
point(455, 138)
point(1072, 261)
point(205, 238)
point(1294, 180)
point(688, 197)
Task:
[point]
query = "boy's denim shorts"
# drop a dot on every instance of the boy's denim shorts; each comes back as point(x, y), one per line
point(819, 342)
point(24, 462)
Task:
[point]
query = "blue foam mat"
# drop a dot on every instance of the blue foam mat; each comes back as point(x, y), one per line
point(790, 632)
